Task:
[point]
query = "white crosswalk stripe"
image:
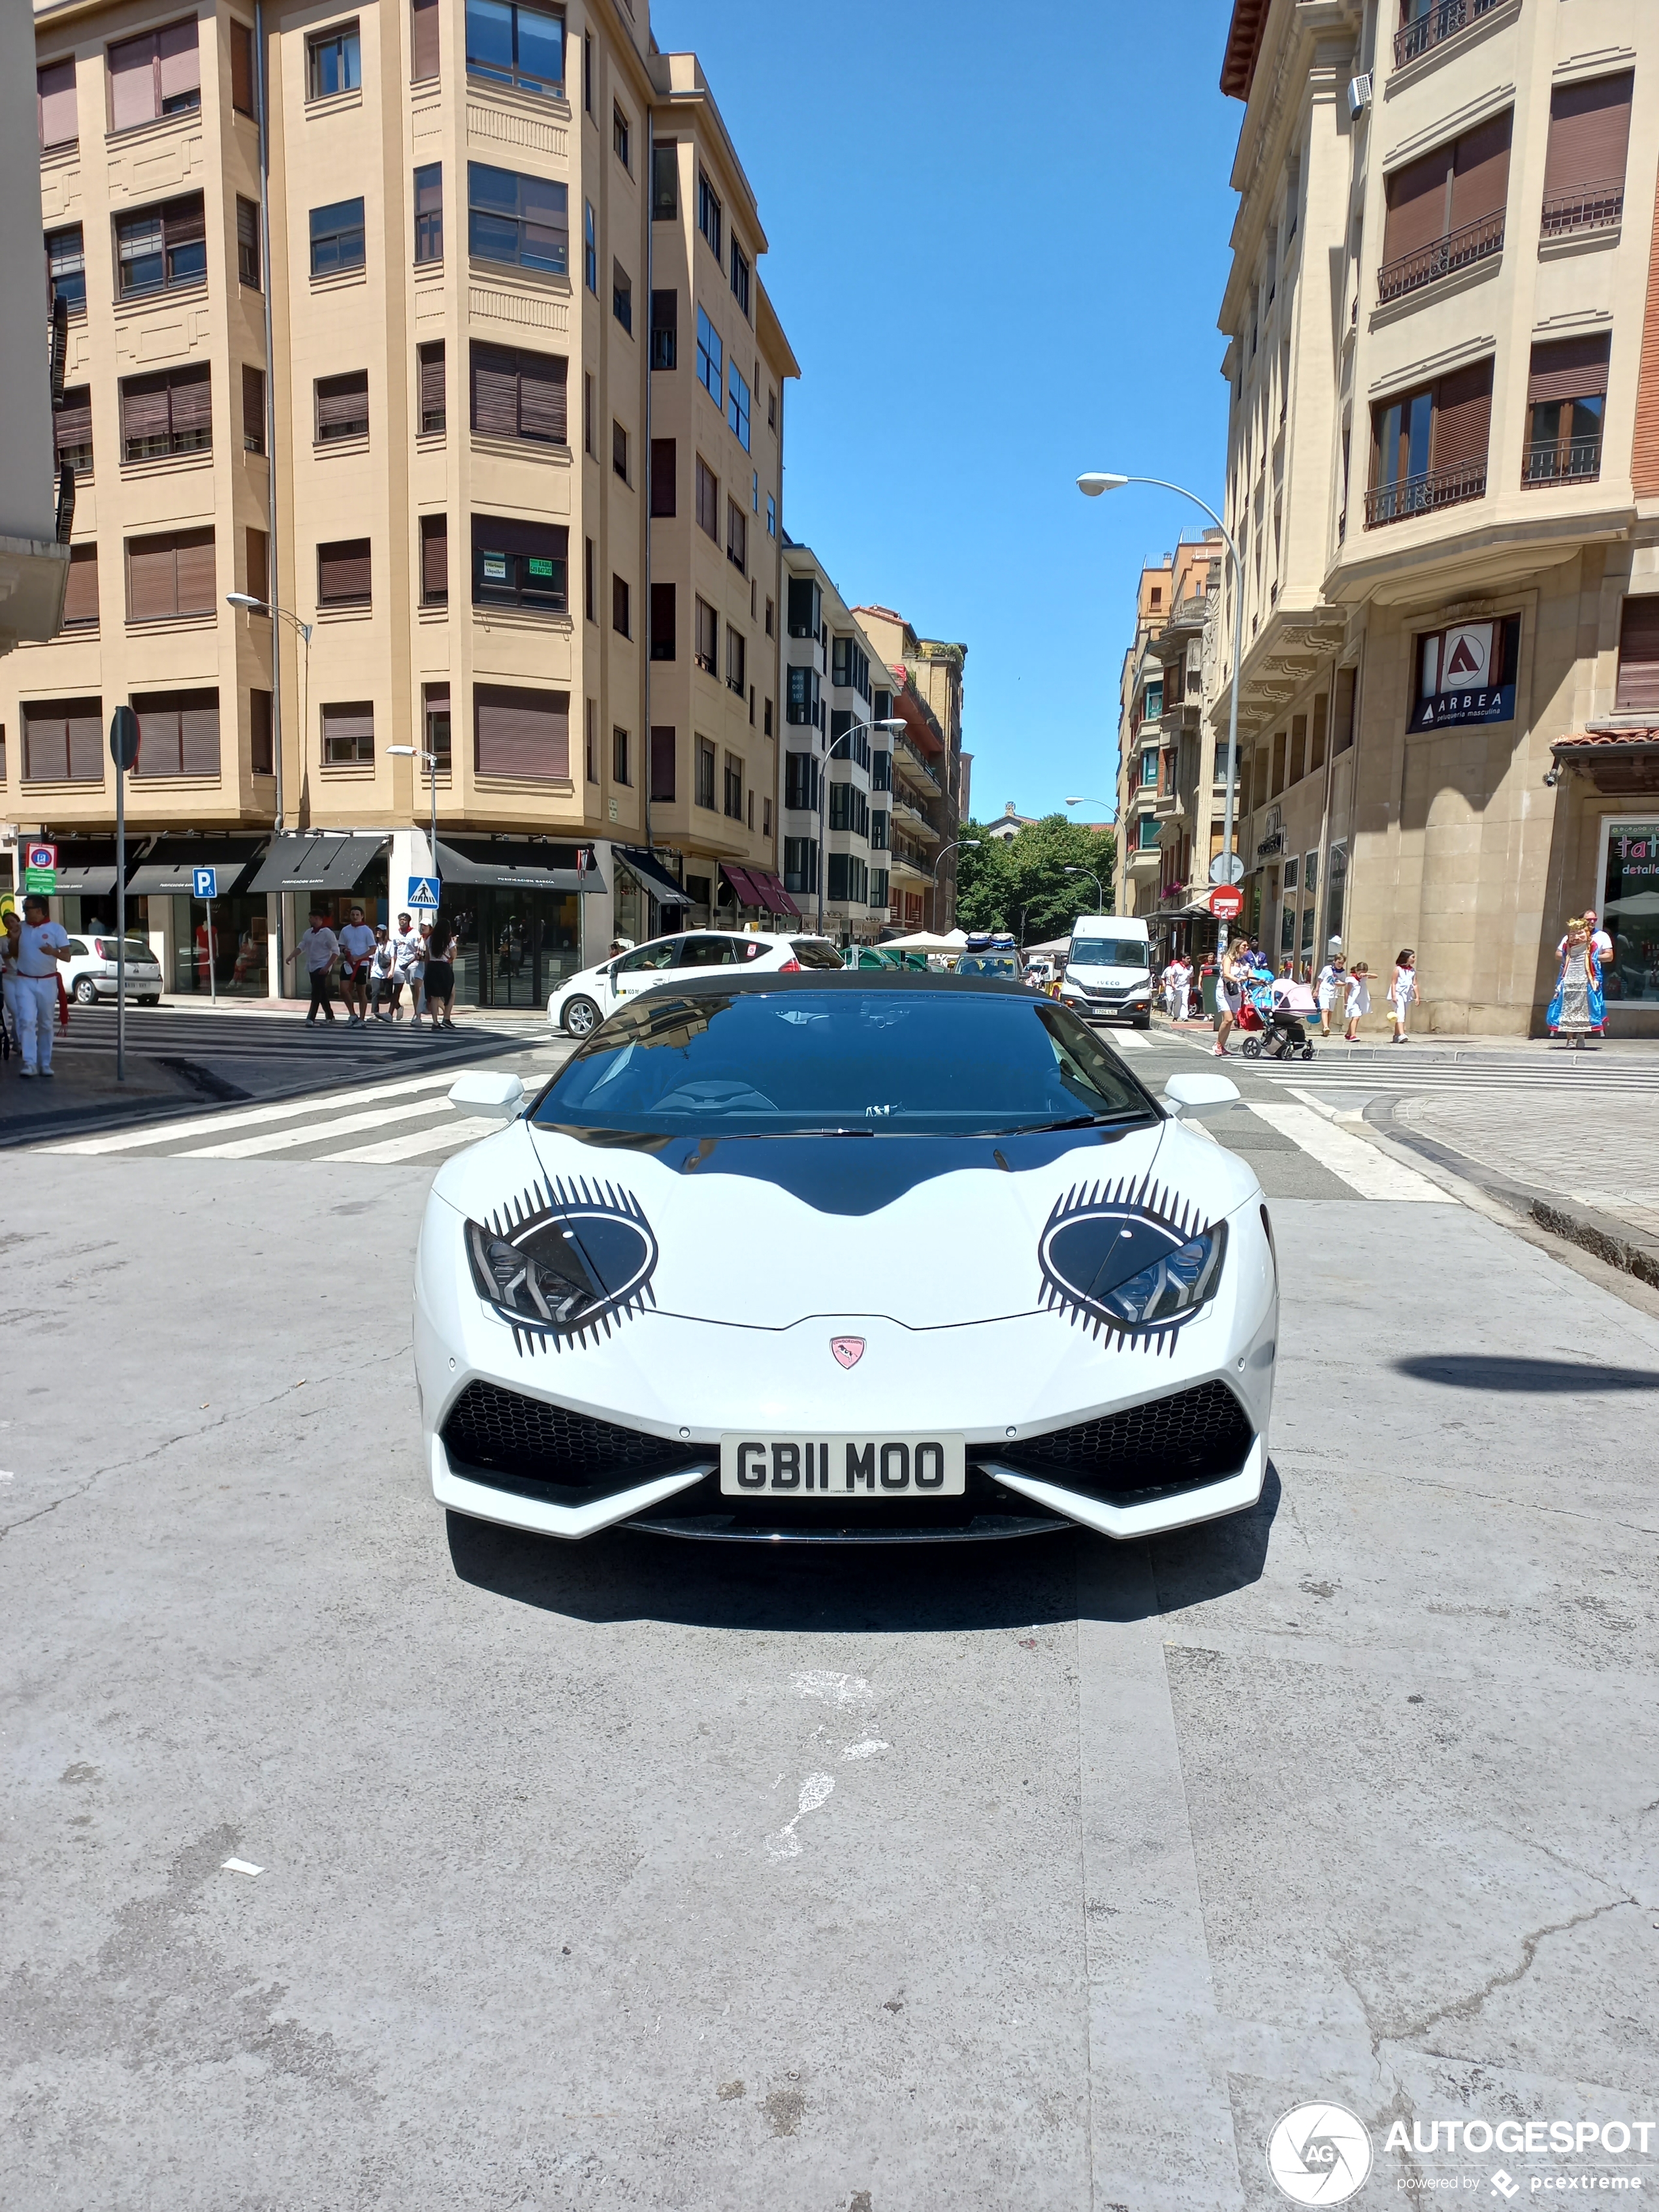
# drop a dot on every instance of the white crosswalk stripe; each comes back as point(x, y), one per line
point(282, 1140)
point(166, 1134)
point(1364, 1168)
point(446, 1137)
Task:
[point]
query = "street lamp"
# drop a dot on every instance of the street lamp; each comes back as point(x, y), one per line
point(957, 844)
point(1094, 879)
point(419, 753)
point(1110, 805)
point(254, 606)
point(1091, 485)
point(895, 728)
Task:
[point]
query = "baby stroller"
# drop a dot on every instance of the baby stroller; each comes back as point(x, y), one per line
point(1280, 1005)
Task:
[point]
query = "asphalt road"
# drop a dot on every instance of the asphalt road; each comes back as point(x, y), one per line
point(636, 1874)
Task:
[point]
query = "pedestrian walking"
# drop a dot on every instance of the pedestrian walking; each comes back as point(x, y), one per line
point(319, 948)
point(382, 974)
point(37, 945)
point(1356, 999)
point(1578, 1009)
point(1331, 986)
point(441, 977)
point(414, 973)
point(1183, 986)
point(1235, 962)
point(356, 949)
point(1402, 991)
point(405, 948)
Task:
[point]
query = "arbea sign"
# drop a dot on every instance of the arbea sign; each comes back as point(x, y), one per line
point(1466, 673)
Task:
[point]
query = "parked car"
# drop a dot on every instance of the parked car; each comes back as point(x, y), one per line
point(579, 1006)
point(89, 973)
point(997, 967)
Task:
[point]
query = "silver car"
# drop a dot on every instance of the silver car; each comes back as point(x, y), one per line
point(90, 970)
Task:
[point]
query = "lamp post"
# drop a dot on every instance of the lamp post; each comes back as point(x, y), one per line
point(895, 728)
point(1091, 485)
point(1094, 879)
point(956, 845)
point(247, 600)
point(430, 762)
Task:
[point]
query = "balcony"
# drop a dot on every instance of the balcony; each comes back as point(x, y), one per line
point(909, 763)
point(1443, 257)
point(1435, 27)
point(908, 862)
point(1573, 460)
point(1425, 494)
point(1586, 208)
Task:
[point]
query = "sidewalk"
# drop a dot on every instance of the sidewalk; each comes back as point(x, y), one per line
point(527, 1019)
point(1435, 1044)
point(80, 1082)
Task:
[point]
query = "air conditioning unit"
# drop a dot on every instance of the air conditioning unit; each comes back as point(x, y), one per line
point(1359, 94)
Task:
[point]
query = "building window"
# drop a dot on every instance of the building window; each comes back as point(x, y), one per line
point(731, 794)
point(878, 893)
point(247, 242)
point(170, 576)
point(519, 394)
point(622, 614)
point(705, 794)
point(709, 214)
point(1566, 393)
point(849, 809)
point(619, 452)
point(664, 328)
point(1153, 705)
point(158, 73)
point(737, 537)
point(161, 247)
point(66, 268)
point(64, 741)
point(589, 248)
point(257, 584)
point(587, 413)
point(423, 41)
point(71, 430)
point(771, 409)
point(1584, 166)
point(849, 666)
point(590, 72)
point(54, 91)
point(1428, 447)
point(349, 734)
point(342, 406)
point(1639, 658)
point(1149, 768)
point(881, 767)
point(708, 501)
point(620, 764)
point(334, 63)
point(768, 730)
point(337, 237)
point(665, 494)
point(1445, 210)
point(771, 516)
point(520, 564)
point(429, 213)
point(80, 589)
point(848, 878)
point(771, 617)
point(665, 183)
point(262, 757)
point(523, 221)
point(662, 763)
point(1151, 833)
point(621, 139)
point(178, 732)
point(707, 644)
point(622, 296)
point(521, 733)
point(430, 376)
point(590, 739)
point(435, 560)
point(590, 585)
point(434, 722)
point(343, 574)
point(740, 276)
point(800, 865)
point(711, 358)
point(801, 782)
point(878, 831)
point(806, 607)
point(737, 651)
point(662, 622)
point(801, 696)
point(253, 409)
point(737, 406)
point(514, 44)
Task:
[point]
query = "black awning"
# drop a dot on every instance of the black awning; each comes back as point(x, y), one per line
point(652, 874)
point(503, 864)
point(87, 882)
point(170, 870)
point(321, 860)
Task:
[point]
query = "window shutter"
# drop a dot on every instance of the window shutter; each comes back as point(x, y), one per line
point(1416, 205)
point(180, 60)
point(253, 409)
point(432, 385)
point(536, 541)
point(342, 404)
point(241, 69)
point(143, 411)
point(196, 595)
point(423, 40)
point(259, 564)
point(1639, 658)
point(132, 83)
point(260, 758)
point(80, 592)
point(1480, 171)
point(1570, 368)
point(72, 423)
point(662, 763)
point(56, 87)
point(158, 733)
point(541, 397)
point(198, 733)
point(494, 391)
point(435, 559)
point(521, 733)
point(1462, 417)
point(85, 740)
point(190, 400)
point(152, 579)
point(46, 744)
point(185, 221)
point(348, 724)
point(662, 622)
point(343, 571)
point(1589, 134)
point(664, 474)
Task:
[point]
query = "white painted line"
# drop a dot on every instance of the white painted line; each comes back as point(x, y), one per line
point(1130, 1041)
point(283, 1141)
point(866, 1750)
point(1363, 1167)
point(163, 1133)
point(390, 1150)
point(240, 1866)
point(816, 1790)
point(835, 1689)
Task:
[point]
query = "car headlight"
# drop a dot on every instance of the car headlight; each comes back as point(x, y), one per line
point(561, 1269)
point(1173, 1286)
point(1129, 1268)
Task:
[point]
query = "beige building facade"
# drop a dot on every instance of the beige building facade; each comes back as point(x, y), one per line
point(1442, 473)
point(930, 770)
point(361, 324)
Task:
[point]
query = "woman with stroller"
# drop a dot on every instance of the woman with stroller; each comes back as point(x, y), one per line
point(1234, 968)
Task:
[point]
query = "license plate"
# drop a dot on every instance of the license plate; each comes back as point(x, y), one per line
point(843, 1467)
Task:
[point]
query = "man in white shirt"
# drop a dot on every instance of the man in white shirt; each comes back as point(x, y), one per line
point(1601, 944)
point(36, 945)
point(406, 952)
point(356, 949)
point(319, 948)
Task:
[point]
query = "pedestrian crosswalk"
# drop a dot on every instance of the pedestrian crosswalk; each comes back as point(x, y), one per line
point(235, 1044)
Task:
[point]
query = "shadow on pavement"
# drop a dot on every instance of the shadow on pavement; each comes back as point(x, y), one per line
point(1540, 1378)
point(901, 1591)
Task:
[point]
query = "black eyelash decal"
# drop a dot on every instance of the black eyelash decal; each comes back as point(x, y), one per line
point(564, 1263)
point(1129, 1261)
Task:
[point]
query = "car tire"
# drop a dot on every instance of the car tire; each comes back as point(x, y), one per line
point(580, 1018)
point(149, 1002)
point(1142, 1022)
point(86, 991)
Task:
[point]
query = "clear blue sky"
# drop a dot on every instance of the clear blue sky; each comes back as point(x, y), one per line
point(999, 239)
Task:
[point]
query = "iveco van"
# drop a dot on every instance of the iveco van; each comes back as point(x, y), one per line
point(1109, 969)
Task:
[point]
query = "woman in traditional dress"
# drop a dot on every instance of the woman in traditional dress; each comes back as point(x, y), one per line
point(1578, 1009)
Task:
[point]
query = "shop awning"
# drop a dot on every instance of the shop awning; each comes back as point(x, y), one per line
point(742, 885)
point(87, 881)
point(652, 874)
point(171, 868)
point(773, 896)
point(503, 864)
point(320, 860)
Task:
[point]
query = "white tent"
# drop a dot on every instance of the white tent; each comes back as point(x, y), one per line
point(1055, 945)
point(924, 941)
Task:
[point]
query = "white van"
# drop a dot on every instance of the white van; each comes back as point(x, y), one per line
point(1109, 969)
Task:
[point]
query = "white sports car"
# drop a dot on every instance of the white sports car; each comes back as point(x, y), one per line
point(845, 1257)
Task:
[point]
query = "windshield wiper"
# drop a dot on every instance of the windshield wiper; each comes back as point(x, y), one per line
point(1076, 1121)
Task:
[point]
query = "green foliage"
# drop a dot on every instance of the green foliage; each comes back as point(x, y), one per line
point(1019, 884)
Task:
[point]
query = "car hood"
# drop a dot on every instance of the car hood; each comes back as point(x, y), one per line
point(763, 1232)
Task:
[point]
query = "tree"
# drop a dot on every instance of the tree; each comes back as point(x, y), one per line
point(1019, 884)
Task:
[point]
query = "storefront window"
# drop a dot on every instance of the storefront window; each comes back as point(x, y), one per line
point(1336, 884)
point(1630, 909)
point(513, 947)
point(241, 957)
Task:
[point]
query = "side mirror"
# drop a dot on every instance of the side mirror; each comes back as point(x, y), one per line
point(500, 1095)
point(1183, 1093)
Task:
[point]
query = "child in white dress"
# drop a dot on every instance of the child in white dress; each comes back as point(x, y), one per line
point(1402, 992)
point(1358, 1002)
point(1333, 979)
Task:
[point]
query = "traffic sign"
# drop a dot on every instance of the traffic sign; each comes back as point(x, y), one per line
point(205, 883)
point(40, 869)
point(124, 737)
point(422, 892)
point(1227, 868)
point(1226, 902)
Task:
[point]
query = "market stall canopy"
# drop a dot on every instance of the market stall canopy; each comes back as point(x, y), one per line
point(168, 869)
point(504, 864)
point(318, 861)
point(652, 874)
point(955, 940)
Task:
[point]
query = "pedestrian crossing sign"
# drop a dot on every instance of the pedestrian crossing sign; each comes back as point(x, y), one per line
point(422, 892)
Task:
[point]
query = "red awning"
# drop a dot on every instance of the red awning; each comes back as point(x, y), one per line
point(744, 886)
point(774, 898)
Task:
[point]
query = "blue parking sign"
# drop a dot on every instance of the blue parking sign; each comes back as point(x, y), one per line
point(205, 883)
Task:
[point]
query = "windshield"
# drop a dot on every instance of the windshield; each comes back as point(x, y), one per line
point(989, 963)
point(1109, 952)
point(869, 1062)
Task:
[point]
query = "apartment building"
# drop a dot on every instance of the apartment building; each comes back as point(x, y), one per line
point(930, 770)
point(1443, 355)
point(362, 327)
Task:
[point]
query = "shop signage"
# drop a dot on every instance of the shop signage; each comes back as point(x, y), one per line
point(40, 869)
point(1459, 677)
point(1273, 844)
point(495, 567)
point(541, 568)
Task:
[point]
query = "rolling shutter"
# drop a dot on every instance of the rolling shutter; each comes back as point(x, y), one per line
point(432, 385)
point(152, 579)
point(190, 392)
point(195, 579)
point(536, 541)
point(198, 733)
point(1639, 658)
point(143, 412)
point(494, 391)
point(1645, 446)
point(253, 409)
point(1462, 417)
point(81, 591)
point(542, 397)
point(1570, 368)
point(1589, 134)
point(423, 40)
point(241, 69)
point(662, 763)
point(56, 87)
point(350, 727)
point(343, 405)
point(521, 733)
point(46, 744)
point(664, 476)
point(435, 559)
point(1480, 171)
point(85, 740)
point(180, 61)
point(1416, 205)
point(132, 83)
point(343, 571)
point(71, 426)
point(662, 622)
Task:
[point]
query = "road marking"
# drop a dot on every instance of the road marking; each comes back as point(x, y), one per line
point(390, 1150)
point(279, 1140)
point(816, 1790)
point(1363, 1167)
point(1131, 1040)
point(165, 1133)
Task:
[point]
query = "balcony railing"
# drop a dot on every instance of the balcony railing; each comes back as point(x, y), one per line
point(1461, 249)
point(1578, 460)
point(1586, 207)
point(1414, 495)
point(1438, 25)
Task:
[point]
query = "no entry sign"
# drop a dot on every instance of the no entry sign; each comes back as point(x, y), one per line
point(1226, 902)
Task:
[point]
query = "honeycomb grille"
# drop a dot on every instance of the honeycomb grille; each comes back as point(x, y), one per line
point(1193, 1436)
point(529, 1441)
